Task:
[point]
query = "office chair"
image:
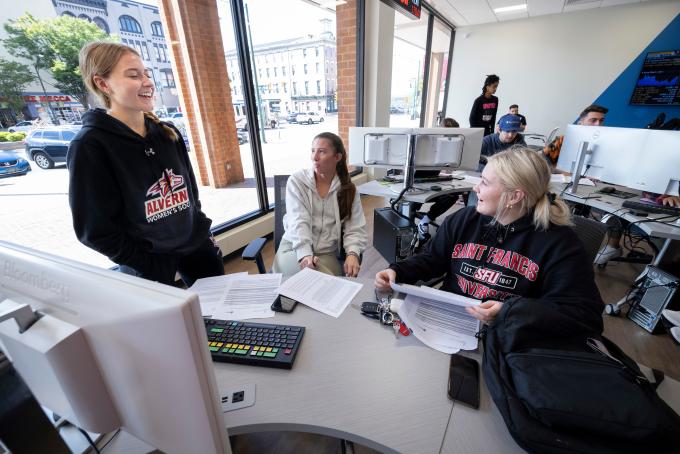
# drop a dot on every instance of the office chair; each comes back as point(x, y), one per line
point(254, 249)
point(591, 233)
point(552, 135)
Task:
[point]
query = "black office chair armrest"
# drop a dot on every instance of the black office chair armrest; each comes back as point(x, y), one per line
point(254, 252)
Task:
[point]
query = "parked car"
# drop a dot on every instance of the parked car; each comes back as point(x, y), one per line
point(22, 126)
point(13, 165)
point(242, 124)
point(292, 117)
point(173, 117)
point(309, 117)
point(47, 146)
point(397, 110)
point(242, 137)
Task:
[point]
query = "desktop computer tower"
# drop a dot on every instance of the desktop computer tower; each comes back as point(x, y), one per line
point(392, 234)
point(658, 291)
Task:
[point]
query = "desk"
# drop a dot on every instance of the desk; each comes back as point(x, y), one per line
point(610, 204)
point(375, 188)
point(352, 379)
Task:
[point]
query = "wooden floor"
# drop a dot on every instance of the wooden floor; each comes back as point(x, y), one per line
point(657, 351)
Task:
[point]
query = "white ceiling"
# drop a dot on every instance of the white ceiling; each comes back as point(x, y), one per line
point(472, 12)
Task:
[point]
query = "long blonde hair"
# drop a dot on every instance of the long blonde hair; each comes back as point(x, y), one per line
point(524, 169)
point(98, 58)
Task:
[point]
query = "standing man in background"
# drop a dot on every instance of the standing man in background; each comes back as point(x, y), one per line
point(483, 113)
point(514, 110)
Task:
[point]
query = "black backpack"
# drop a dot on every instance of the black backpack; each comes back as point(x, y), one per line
point(561, 387)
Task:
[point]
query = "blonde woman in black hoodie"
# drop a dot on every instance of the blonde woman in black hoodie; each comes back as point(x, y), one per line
point(517, 242)
point(132, 192)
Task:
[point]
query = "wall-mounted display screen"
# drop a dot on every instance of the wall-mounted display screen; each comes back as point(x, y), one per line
point(659, 80)
point(410, 7)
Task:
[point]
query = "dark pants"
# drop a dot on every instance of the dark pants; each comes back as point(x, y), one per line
point(205, 261)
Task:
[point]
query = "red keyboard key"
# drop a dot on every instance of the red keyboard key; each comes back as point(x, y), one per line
point(288, 351)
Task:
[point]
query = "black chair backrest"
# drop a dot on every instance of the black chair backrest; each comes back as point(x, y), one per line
point(280, 182)
point(591, 233)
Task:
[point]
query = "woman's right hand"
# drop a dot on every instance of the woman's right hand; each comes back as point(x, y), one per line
point(384, 279)
point(308, 261)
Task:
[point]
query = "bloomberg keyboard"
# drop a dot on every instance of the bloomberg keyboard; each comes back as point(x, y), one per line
point(649, 208)
point(256, 344)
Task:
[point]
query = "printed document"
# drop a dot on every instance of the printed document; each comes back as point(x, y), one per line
point(327, 294)
point(238, 296)
point(560, 178)
point(439, 318)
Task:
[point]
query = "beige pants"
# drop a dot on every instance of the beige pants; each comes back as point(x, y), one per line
point(286, 262)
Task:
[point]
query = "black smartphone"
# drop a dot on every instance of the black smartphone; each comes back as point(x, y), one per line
point(464, 380)
point(283, 304)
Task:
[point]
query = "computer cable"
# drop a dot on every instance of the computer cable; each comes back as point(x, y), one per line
point(89, 440)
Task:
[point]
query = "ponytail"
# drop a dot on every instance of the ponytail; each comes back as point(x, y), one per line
point(523, 168)
point(167, 130)
point(347, 190)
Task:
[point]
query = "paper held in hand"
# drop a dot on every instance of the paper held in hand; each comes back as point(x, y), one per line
point(439, 319)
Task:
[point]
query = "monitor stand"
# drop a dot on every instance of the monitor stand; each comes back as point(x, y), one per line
point(576, 176)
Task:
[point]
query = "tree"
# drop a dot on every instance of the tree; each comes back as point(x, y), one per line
point(13, 79)
point(54, 44)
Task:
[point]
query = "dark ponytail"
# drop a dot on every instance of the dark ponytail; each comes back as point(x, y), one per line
point(347, 189)
point(167, 130)
point(490, 80)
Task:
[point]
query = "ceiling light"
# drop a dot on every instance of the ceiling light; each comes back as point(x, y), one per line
point(509, 9)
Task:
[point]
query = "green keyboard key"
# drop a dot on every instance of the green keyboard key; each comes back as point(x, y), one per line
point(275, 350)
point(214, 349)
point(270, 354)
point(240, 352)
point(260, 353)
point(232, 350)
point(216, 330)
point(225, 350)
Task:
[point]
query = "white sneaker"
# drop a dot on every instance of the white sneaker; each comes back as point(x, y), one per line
point(672, 316)
point(606, 254)
point(675, 332)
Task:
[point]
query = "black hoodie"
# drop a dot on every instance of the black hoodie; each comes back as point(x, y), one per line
point(495, 262)
point(134, 199)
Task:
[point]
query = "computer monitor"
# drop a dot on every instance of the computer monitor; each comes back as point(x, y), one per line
point(433, 148)
point(642, 159)
point(108, 350)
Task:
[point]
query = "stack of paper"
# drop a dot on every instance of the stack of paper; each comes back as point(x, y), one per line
point(237, 296)
point(439, 318)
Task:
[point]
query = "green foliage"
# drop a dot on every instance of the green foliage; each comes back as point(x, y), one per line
point(13, 80)
point(12, 136)
point(54, 44)
point(16, 136)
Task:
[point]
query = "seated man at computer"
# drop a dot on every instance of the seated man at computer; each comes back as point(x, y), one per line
point(510, 126)
point(517, 241)
point(592, 115)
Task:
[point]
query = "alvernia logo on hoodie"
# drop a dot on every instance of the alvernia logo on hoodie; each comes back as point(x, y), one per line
point(168, 196)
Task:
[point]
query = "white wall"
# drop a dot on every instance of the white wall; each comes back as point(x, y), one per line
point(552, 66)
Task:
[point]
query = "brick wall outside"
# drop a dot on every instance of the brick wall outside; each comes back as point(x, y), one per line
point(346, 31)
point(193, 29)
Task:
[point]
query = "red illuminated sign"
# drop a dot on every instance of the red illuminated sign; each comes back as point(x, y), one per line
point(409, 7)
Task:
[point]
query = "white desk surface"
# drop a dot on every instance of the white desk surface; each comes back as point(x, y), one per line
point(612, 204)
point(352, 379)
point(374, 187)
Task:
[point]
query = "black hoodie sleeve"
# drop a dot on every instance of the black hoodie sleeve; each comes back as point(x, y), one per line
point(98, 213)
point(476, 115)
point(435, 260)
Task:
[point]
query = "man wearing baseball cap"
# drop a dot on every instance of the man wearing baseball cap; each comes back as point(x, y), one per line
point(509, 135)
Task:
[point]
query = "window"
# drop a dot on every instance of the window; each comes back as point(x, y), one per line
point(283, 70)
point(317, 68)
point(168, 78)
point(285, 88)
point(145, 51)
point(318, 87)
point(84, 17)
point(67, 135)
point(267, 71)
point(295, 88)
point(66, 13)
point(51, 135)
point(275, 73)
point(163, 48)
point(156, 29)
point(292, 69)
point(129, 24)
point(101, 23)
point(304, 52)
point(305, 68)
point(316, 51)
point(157, 52)
point(306, 87)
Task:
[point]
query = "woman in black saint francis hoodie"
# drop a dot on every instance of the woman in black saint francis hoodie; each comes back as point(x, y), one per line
point(132, 191)
point(516, 242)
